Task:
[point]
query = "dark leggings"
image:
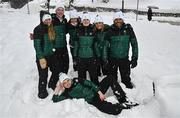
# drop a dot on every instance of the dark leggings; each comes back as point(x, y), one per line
point(124, 67)
point(43, 73)
point(89, 65)
point(63, 59)
point(108, 107)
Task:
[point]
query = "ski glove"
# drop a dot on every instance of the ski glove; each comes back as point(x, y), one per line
point(43, 63)
point(133, 63)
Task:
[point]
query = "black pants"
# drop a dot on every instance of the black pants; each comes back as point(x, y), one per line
point(124, 68)
point(90, 66)
point(100, 67)
point(63, 59)
point(108, 107)
point(43, 74)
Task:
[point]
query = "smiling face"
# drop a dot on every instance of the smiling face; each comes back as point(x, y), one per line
point(74, 21)
point(86, 22)
point(99, 25)
point(47, 21)
point(118, 22)
point(67, 83)
point(59, 12)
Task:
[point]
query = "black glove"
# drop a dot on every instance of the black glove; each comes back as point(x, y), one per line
point(133, 63)
point(75, 64)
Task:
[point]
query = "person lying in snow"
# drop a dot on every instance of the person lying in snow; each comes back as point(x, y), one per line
point(94, 95)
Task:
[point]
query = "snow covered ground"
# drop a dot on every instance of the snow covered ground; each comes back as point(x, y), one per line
point(159, 62)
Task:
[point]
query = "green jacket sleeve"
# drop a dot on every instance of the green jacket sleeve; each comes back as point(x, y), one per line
point(75, 51)
point(96, 49)
point(91, 85)
point(105, 50)
point(57, 98)
point(134, 44)
point(38, 42)
point(106, 46)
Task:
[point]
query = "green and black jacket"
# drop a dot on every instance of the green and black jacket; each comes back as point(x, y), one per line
point(43, 46)
point(84, 46)
point(60, 30)
point(72, 30)
point(80, 89)
point(119, 41)
point(100, 43)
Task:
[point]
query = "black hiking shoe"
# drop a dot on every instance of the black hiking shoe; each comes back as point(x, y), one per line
point(43, 95)
point(51, 85)
point(123, 106)
point(131, 104)
point(121, 99)
point(129, 85)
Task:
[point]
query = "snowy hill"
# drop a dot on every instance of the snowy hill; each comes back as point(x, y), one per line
point(159, 62)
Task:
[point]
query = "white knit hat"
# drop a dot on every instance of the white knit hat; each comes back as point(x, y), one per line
point(98, 19)
point(73, 14)
point(60, 6)
point(46, 16)
point(86, 16)
point(118, 15)
point(63, 76)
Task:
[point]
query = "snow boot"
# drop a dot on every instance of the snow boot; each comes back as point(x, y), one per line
point(130, 103)
point(123, 106)
point(52, 84)
point(129, 85)
point(43, 94)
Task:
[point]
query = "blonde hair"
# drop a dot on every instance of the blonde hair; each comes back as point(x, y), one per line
point(51, 32)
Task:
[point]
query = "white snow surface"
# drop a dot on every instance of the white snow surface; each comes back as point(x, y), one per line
point(159, 62)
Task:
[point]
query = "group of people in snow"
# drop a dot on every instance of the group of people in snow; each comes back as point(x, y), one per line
point(97, 48)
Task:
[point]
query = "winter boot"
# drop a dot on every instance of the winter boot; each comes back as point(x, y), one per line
point(51, 85)
point(130, 103)
point(121, 99)
point(123, 106)
point(129, 85)
point(43, 94)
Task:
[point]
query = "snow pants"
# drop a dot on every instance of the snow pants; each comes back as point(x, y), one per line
point(124, 68)
point(100, 67)
point(108, 107)
point(63, 59)
point(43, 74)
point(88, 64)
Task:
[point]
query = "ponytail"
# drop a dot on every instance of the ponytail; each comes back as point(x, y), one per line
point(51, 32)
